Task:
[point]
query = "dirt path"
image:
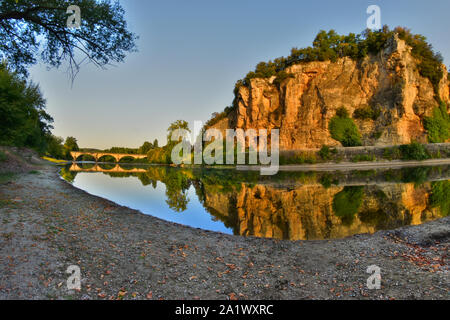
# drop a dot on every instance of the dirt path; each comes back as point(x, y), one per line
point(48, 225)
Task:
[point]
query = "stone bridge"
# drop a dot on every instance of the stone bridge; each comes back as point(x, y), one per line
point(97, 168)
point(98, 155)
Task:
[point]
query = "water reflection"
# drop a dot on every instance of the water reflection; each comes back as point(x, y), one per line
point(290, 205)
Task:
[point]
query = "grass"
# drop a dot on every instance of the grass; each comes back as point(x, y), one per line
point(363, 157)
point(6, 177)
point(54, 160)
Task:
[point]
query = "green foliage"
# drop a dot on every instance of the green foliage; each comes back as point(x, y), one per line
point(301, 158)
point(414, 151)
point(146, 147)
point(122, 150)
point(347, 203)
point(55, 148)
point(3, 156)
point(367, 112)
point(176, 125)
point(363, 157)
point(439, 198)
point(344, 129)
point(282, 76)
point(430, 61)
point(326, 180)
point(23, 121)
point(438, 126)
point(392, 153)
point(33, 28)
point(326, 46)
point(326, 152)
point(216, 116)
point(330, 46)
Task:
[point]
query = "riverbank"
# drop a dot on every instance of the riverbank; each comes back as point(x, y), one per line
point(48, 225)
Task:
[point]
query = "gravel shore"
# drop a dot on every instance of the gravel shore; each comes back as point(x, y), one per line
point(48, 225)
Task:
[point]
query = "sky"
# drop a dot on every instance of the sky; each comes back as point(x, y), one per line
point(191, 53)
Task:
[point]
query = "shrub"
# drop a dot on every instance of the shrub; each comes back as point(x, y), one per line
point(281, 76)
point(438, 126)
point(367, 112)
point(392, 153)
point(344, 129)
point(326, 152)
point(414, 151)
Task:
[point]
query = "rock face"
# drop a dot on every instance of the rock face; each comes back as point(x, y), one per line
point(302, 106)
point(306, 212)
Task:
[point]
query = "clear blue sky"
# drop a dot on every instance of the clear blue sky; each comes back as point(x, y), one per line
point(192, 52)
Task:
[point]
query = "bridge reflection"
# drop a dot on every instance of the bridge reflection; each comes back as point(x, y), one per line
point(97, 168)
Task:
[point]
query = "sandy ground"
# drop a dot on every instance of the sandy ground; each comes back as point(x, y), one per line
point(48, 225)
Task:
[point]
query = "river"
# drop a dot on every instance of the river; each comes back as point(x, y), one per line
point(289, 205)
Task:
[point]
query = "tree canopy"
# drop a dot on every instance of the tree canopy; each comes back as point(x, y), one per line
point(38, 28)
point(23, 120)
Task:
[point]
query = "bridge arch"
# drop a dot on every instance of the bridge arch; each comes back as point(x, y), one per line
point(98, 155)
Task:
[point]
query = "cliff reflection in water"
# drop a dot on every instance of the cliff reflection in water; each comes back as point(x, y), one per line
point(303, 206)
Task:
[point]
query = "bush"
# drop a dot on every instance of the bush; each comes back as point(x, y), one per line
point(344, 129)
point(367, 112)
point(3, 156)
point(414, 151)
point(326, 152)
point(438, 126)
point(392, 153)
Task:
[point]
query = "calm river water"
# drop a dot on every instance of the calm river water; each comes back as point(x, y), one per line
point(290, 205)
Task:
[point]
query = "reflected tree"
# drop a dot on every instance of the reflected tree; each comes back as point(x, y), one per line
point(347, 203)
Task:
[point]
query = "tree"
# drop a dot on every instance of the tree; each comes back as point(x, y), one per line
point(145, 148)
point(155, 144)
point(23, 120)
point(55, 147)
point(177, 125)
point(29, 28)
point(69, 146)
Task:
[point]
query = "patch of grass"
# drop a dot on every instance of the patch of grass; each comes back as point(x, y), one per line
point(6, 177)
point(298, 159)
point(343, 129)
point(34, 172)
point(363, 157)
point(54, 160)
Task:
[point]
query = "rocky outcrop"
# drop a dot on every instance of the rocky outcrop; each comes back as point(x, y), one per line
point(302, 106)
point(306, 212)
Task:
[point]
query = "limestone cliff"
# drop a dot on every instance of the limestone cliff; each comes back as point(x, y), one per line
point(301, 106)
point(306, 212)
